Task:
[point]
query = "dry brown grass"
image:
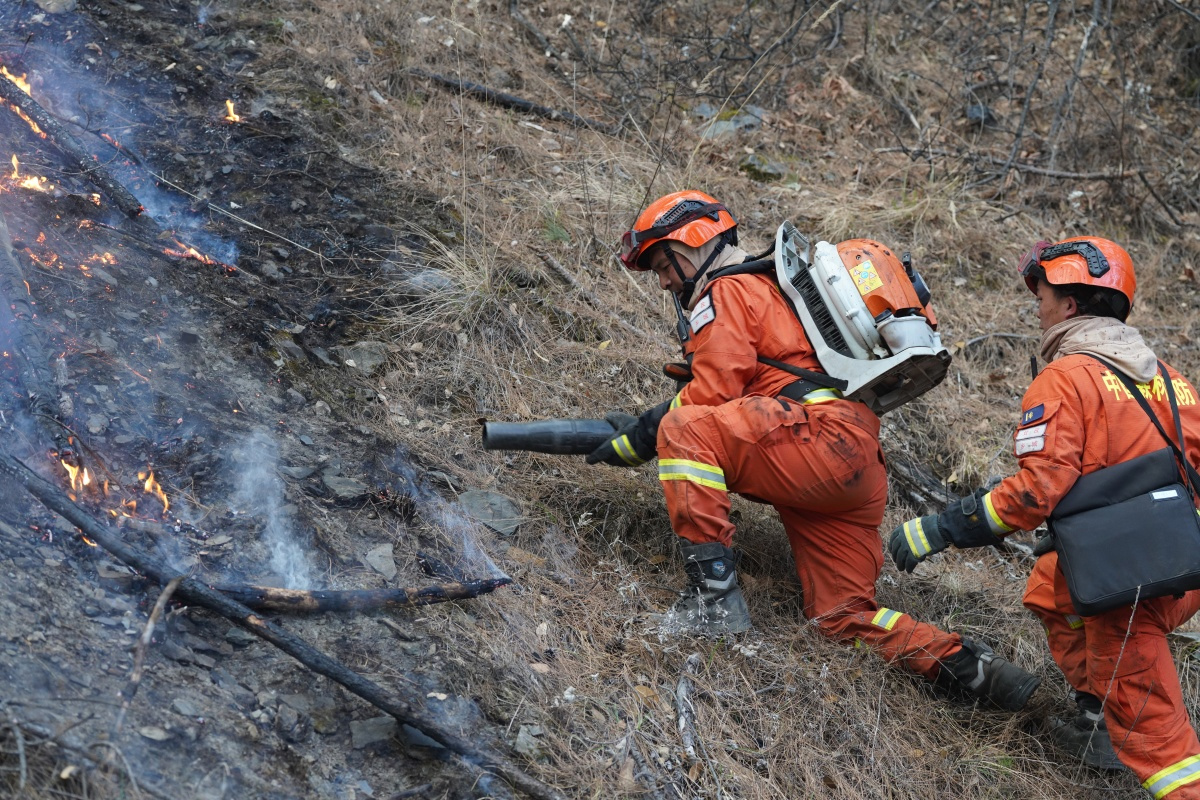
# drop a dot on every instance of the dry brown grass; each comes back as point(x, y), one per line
point(781, 713)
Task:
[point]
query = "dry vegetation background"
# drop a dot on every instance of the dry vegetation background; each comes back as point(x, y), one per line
point(959, 131)
point(872, 110)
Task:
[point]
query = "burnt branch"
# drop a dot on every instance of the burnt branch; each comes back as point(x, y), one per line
point(404, 706)
point(268, 598)
point(65, 142)
point(503, 100)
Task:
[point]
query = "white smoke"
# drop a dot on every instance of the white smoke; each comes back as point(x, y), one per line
point(260, 493)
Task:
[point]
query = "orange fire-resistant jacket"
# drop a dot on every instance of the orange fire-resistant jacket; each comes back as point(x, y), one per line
point(817, 461)
point(1077, 417)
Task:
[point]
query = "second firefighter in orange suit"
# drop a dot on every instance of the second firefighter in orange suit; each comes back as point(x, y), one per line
point(743, 425)
point(1078, 417)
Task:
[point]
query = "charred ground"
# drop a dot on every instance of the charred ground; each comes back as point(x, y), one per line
point(386, 261)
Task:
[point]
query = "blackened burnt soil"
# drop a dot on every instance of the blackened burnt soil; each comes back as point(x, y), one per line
point(220, 370)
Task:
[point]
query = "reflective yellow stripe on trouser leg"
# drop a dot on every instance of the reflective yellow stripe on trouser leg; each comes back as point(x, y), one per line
point(1165, 781)
point(678, 469)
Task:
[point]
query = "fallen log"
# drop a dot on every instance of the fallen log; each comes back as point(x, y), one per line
point(65, 142)
point(407, 708)
point(269, 598)
point(504, 100)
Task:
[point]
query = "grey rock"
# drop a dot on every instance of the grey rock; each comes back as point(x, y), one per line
point(97, 423)
point(761, 169)
point(186, 707)
point(382, 560)
point(414, 738)
point(239, 637)
point(425, 283)
point(344, 488)
point(527, 743)
point(366, 732)
point(500, 513)
point(296, 473)
point(365, 356)
point(295, 399)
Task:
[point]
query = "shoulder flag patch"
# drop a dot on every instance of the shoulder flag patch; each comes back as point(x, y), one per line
point(1033, 414)
point(703, 313)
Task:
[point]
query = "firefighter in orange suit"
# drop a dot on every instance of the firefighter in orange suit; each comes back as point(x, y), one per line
point(758, 418)
point(1078, 417)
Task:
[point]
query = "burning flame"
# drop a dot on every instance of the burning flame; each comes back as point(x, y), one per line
point(23, 85)
point(231, 116)
point(187, 251)
point(79, 477)
point(151, 487)
point(35, 183)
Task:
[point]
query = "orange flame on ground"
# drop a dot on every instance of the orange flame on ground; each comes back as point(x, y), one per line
point(187, 251)
point(23, 85)
point(151, 487)
point(32, 182)
point(231, 116)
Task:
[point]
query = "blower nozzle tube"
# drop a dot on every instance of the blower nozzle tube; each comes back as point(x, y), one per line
point(569, 437)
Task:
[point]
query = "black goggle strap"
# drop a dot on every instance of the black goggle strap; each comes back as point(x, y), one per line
point(689, 284)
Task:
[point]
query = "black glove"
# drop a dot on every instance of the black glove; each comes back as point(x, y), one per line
point(963, 524)
point(915, 541)
point(629, 447)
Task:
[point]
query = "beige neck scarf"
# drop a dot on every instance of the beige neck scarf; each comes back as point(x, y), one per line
point(697, 255)
point(1117, 343)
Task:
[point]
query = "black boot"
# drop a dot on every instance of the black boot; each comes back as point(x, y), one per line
point(981, 672)
point(1085, 738)
point(712, 604)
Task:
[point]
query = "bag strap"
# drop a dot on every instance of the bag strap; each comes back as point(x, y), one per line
point(1179, 449)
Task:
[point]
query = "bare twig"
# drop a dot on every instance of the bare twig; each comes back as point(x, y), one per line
point(589, 296)
point(514, 11)
point(1064, 99)
point(684, 707)
point(139, 658)
point(1161, 202)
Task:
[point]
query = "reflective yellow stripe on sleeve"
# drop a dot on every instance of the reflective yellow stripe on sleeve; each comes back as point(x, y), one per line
point(915, 533)
point(625, 450)
point(678, 469)
point(886, 618)
point(1181, 773)
point(996, 524)
point(676, 402)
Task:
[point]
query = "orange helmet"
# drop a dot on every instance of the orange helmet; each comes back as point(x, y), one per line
point(1085, 260)
point(886, 283)
point(689, 216)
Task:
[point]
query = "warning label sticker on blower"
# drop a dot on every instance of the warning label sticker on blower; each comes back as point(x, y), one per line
point(865, 277)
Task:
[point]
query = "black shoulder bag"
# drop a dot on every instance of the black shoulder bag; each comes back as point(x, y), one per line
point(1131, 531)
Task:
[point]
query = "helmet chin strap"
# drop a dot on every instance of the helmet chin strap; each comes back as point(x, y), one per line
point(689, 284)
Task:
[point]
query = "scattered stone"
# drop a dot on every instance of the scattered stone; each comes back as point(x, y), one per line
point(296, 473)
point(292, 725)
point(56, 6)
point(761, 169)
point(718, 124)
point(382, 560)
point(305, 440)
point(414, 738)
point(365, 356)
point(188, 336)
point(425, 283)
point(366, 732)
point(344, 489)
point(97, 423)
point(240, 638)
point(295, 399)
point(527, 743)
point(154, 733)
point(186, 707)
point(500, 513)
point(322, 409)
point(322, 355)
point(104, 276)
point(105, 342)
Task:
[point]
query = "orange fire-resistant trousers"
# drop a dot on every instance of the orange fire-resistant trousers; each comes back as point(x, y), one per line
point(822, 469)
point(1124, 659)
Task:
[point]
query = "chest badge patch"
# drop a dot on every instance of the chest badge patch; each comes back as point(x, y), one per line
point(703, 313)
point(865, 277)
point(1033, 414)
